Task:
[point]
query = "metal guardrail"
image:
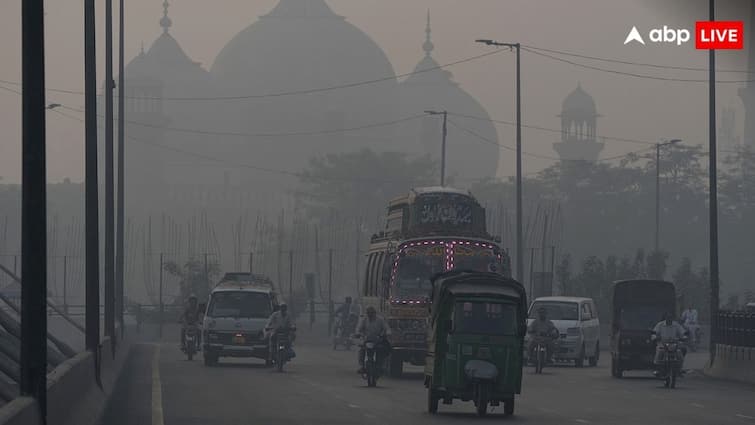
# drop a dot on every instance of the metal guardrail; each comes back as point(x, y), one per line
point(735, 328)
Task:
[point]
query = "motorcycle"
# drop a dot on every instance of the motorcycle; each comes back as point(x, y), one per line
point(344, 329)
point(539, 354)
point(373, 361)
point(670, 365)
point(281, 352)
point(191, 341)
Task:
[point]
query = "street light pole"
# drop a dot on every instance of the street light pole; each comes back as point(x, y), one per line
point(519, 214)
point(91, 214)
point(658, 147)
point(33, 350)
point(109, 181)
point(443, 145)
point(713, 201)
point(120, 241)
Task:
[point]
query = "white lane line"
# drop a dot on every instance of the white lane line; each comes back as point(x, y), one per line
point(367, 415)
point(698, 405)
point(157, 390)
point(745, 416)
point(353, 406)
point(582, 421)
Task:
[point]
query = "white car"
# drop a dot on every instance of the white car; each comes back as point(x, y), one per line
point(578, 327)
point(234, 321)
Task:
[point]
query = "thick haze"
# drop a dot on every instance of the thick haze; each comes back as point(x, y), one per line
point(630, 107)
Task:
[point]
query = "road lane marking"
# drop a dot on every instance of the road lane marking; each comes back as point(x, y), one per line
point(745, 416)
point(582, 421)
point(353, 406)
point(698, 405)
point(157, 390)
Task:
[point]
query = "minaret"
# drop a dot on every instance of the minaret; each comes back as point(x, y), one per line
point(165, 22)
point(748, 93)
point(428, 46)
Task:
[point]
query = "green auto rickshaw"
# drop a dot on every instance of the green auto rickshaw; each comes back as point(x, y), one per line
point(475, 340)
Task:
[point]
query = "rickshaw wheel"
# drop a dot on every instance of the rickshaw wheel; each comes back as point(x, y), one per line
point(481, 402)
point(508, 407)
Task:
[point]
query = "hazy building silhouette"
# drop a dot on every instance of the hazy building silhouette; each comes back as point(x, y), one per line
point(579, 128)
point(264, 108)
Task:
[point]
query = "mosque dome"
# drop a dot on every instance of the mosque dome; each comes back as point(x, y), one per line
point(579, 102)
point(300, 44)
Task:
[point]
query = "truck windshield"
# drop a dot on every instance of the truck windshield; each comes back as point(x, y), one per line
point(556, 310)
point(416, 267)
point(476, 258)
point(240, 304)
point(485, 318)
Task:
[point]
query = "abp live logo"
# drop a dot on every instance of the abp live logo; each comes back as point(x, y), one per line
point(709, 35)
point(719, 35)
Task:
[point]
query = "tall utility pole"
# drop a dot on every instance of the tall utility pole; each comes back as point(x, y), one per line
point(91, 213)
point(330, 290)
point(33, 371)
point(542, 255)
point(713, 201)
point(291, 282)
point(160, 297)
point(658, 147)
point(519, 218)
point(119, 230)
point(443, 145)
point(109, 181)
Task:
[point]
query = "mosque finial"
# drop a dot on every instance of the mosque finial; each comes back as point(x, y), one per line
point(165, 22)
point(428, 46)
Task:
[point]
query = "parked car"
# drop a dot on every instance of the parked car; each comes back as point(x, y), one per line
point(578, 325)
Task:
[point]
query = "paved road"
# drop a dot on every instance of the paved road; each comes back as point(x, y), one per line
point(321, 387)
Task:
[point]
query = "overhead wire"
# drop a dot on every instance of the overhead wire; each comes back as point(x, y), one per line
point(643, 64)
point(631, 74)
point(291, 92)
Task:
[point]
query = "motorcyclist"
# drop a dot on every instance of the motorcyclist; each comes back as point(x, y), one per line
point(342, 314)
point(542, 328)
point(280, 321)
point(372, 329)
point(189, 317)
point(668, 330)
point(689, 321)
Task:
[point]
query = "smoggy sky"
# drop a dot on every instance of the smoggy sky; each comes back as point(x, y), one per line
point(630, 107)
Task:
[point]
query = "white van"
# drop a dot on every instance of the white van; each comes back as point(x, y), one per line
point(578, 326)
point(234, 321)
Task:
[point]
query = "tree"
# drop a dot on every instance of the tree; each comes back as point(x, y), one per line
point(657, 263)
point(563, 273)
point(194, 280)
point(360, 184)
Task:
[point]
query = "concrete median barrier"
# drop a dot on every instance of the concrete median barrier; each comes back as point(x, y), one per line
point(733, 363)
point(74, 395)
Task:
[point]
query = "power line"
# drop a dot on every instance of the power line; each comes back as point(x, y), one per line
point(650, 65)
point(292, 92)
point(630, 74)
point(289, 134)
point(234, 163)
point(492, 142)
point(551, 130)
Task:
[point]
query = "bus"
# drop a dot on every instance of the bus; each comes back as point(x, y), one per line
point(428, 231)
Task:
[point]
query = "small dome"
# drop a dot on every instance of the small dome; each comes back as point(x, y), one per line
point(579, 102)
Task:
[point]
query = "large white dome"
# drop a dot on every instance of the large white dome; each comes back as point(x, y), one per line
point(300, 44)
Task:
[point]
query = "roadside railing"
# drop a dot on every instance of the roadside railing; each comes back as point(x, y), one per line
point(735, 328)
